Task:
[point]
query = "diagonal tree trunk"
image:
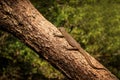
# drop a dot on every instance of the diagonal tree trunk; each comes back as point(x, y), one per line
point(21, 19)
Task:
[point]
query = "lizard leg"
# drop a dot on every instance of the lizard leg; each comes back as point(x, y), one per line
point(72, 48)
point(57, 35)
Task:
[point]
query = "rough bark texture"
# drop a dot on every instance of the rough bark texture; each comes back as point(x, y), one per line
point(22, 20)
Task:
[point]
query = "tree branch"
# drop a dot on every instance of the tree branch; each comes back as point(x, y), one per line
point(21, 19)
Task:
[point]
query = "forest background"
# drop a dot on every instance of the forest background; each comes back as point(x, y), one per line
point(95, 24)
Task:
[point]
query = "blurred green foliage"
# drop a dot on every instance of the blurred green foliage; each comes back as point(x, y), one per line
point(18, 62)
point(95, 24)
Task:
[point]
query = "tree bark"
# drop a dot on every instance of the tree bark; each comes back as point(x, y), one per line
point(21, 19)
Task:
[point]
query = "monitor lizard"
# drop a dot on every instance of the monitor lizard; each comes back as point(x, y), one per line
point(77, 46)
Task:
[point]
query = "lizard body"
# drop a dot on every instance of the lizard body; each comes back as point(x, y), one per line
point(76, 45)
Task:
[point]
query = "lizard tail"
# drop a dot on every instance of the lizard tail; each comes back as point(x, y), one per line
point(84, 53)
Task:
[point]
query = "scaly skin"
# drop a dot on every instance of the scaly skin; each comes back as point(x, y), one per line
point(76, 45)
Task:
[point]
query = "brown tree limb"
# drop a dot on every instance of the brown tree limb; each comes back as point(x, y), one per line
point(21, 19)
